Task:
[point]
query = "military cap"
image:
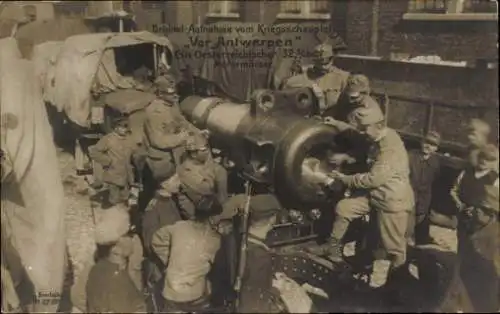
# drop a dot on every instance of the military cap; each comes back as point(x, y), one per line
point(478, 125)
point(488, 153)
point(433, 138)
point(230, 208)
point(114, 223)
point(324, 50)
point(196, 142)
point(263, 206)
point(166, 83)
point(121, 121)
point(358, 83)
point(368, 115)
point(207, 206)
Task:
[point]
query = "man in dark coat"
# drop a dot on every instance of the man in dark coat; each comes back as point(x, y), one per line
point(424, 168)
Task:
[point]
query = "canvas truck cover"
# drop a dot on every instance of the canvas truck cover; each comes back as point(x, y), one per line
point(45, 57)
point(77, 66)
point(33, 202)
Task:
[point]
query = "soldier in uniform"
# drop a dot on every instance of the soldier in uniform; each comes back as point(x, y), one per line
point(114, 153)
point(165, 131)
point(326, 80)
point(199, 176)
point(385, 188)
point(112, 282)
point(476, 194)
point(260, 286)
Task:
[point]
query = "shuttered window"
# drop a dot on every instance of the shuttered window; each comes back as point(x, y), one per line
point(224, 8)
point(305, 9)
point(452, 6)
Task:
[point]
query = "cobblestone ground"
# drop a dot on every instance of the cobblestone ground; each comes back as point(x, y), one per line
point(79, 219)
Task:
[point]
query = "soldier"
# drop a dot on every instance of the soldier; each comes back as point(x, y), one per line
point(349, 139)
point(385, 188)
point(326, 80)
point(114, 153)
point(199, 176)
point(258, 294)
point(187, 250)
point(355, 95)
point(110, 286)
point(424, 168)
point(165, 131)
point(476, 194)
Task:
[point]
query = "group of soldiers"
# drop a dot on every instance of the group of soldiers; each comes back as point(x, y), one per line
point(397, 186)
point(181, 251)
point(188, 220)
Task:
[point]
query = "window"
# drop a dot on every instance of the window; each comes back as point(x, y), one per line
point(313, 9)
point(224, 9)
point(452, 10)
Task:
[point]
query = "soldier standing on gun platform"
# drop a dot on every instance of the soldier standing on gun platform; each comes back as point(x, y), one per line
point(326, 80)
point(385, 188)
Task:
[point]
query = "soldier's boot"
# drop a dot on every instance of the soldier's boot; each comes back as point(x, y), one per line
point(335, 253)
point(380, 273)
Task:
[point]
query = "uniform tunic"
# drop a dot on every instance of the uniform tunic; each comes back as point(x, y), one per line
point(114, 153)
point(162, 140)
point(257, 293)
point(188, 248)
point(327, 86)
point(389, 193)
point(198, 180)
point(479, 244)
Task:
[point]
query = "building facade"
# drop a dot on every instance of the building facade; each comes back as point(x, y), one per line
point(454, 30)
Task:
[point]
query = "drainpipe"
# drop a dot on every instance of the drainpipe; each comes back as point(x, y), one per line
point(375, 22)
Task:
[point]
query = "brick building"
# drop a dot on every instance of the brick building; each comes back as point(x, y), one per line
point(455, 30)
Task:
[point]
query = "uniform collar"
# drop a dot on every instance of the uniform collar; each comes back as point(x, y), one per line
point(482, 173)
point(381, 136)
point(258, 241)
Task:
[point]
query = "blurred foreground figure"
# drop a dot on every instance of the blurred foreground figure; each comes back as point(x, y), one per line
point(110, 286)
point(476, 195)
point(263, 291)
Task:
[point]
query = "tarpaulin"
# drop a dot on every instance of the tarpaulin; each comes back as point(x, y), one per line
point(31, 34)
point(44, 58)
point(78, 64)
point(33, 204)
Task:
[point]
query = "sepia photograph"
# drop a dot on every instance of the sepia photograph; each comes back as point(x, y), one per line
point(321, 156)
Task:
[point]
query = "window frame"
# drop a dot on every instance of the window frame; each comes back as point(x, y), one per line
point(454, 14)
point(226, 11)
point(305, 13)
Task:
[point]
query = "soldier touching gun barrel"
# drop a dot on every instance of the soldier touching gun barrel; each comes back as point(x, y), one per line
point(385, 188)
